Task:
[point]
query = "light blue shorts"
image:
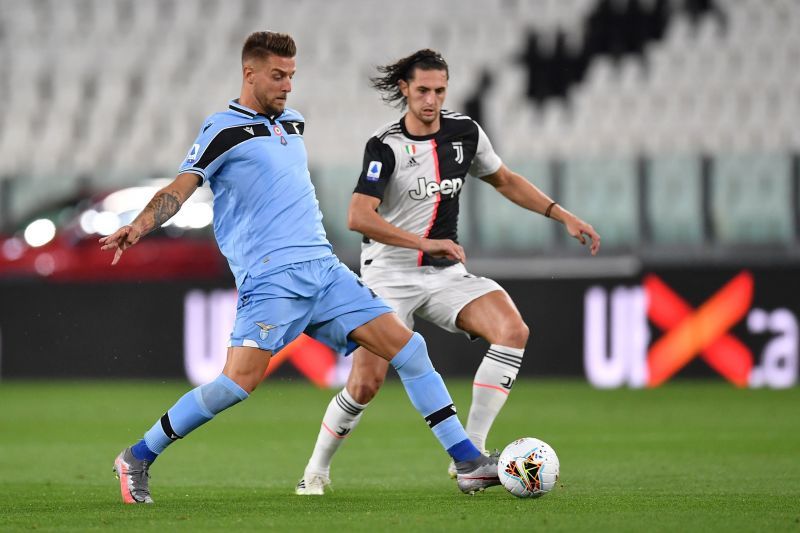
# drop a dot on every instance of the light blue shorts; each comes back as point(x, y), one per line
point(322, 298)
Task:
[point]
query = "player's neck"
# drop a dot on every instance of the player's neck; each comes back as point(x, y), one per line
point(416, 127)
point(248, 101)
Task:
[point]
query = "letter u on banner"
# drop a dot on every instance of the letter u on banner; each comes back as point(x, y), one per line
point(207, 324)
point(623, 362)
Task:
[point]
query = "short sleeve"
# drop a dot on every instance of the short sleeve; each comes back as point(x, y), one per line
point(206, 154)
point(377, 168)
point(486, 161)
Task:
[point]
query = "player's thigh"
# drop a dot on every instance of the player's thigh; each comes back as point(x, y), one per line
point(453, 289)
point(493, 317)
point(384, 335)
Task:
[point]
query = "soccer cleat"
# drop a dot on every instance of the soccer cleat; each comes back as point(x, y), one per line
point(478, 474)
point(312, 484)
point(451, 469)
point(134, 478)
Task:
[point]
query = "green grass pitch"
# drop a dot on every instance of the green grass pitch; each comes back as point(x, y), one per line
point(691, 456)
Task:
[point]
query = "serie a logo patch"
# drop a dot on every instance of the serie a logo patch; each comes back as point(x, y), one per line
point(192, 155)
point(374, 170)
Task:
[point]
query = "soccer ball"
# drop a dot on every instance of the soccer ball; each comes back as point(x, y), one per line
point(528, 468)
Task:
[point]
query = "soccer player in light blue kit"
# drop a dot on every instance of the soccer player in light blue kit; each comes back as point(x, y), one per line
point(268, 224)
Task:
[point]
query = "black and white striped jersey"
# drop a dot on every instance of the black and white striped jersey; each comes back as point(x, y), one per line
point(419, 179)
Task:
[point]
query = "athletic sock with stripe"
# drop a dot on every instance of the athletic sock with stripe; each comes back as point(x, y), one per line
point(429, 396)
point(191, 411)
point(490, 389)
point(341, 417)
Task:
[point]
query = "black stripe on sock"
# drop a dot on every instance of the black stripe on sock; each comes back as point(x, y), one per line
point(167, 427)
point(503, 361)
point(441, 415)
point(498, 353)
point(347, 406)
point(351, 404)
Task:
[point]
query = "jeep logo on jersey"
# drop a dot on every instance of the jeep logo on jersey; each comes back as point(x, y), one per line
point(427, 189)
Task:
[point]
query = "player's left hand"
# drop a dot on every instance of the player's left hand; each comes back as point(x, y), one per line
point(445, 248)
point(579, 230)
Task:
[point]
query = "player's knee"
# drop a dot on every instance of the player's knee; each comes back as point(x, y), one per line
point(365, 381)
point(220, 394)
point(514, 333)
point(248, 381)
point(412, 361)
point(364, 390)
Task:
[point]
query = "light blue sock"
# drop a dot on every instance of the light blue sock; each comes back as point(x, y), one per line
point(191, 411)
point(429, 395)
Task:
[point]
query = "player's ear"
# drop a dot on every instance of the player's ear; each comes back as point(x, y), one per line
point(248, 72)
point(403, 86)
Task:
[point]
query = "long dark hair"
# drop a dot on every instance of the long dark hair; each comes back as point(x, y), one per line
point(387, 83)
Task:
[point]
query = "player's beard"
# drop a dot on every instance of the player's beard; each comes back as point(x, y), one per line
point(427, 119)
point(273, 106)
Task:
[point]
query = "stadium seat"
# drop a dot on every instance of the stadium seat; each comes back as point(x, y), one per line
point(604, 191)
point(502, 225)
point(751, 199)
point(674, 200)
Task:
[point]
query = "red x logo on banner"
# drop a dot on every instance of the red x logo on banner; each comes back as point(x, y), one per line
point(703, 331)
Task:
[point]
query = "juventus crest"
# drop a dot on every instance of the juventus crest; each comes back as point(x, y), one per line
point(459, 148)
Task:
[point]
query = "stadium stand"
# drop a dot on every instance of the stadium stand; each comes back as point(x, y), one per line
point(112, 91)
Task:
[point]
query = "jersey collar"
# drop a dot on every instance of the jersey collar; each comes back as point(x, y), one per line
point(419, 137)
point(236, 107)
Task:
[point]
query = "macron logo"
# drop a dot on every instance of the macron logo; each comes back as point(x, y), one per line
point(374, 170)
point(249, 129)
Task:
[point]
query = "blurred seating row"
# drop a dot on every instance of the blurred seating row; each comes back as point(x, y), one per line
point(729, 200)
point(114, 90)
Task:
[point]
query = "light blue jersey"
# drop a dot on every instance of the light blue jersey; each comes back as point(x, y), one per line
point(266, 213)
point(268, 224)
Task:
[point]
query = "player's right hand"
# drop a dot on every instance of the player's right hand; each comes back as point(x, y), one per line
point(120, 240)
point(443, 248)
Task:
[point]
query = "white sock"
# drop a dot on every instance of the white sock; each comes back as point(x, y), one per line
point(493, 382)
point(340, 419)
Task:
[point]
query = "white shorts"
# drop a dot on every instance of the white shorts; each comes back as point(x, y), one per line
point(436, 294)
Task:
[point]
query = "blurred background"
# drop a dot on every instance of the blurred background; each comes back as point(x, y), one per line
point(670, 125)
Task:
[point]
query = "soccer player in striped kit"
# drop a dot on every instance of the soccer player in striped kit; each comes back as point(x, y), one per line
point(406, 206)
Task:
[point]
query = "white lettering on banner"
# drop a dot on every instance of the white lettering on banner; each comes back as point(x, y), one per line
point(207, 324)
point(625, 362)
point(779, 360)
point(617, 339)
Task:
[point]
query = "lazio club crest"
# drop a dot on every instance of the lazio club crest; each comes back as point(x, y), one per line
point(265, 328)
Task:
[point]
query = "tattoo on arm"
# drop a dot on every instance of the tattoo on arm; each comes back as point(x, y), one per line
point(163, 206)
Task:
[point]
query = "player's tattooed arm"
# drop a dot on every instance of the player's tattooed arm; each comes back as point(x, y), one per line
point(161, 208)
